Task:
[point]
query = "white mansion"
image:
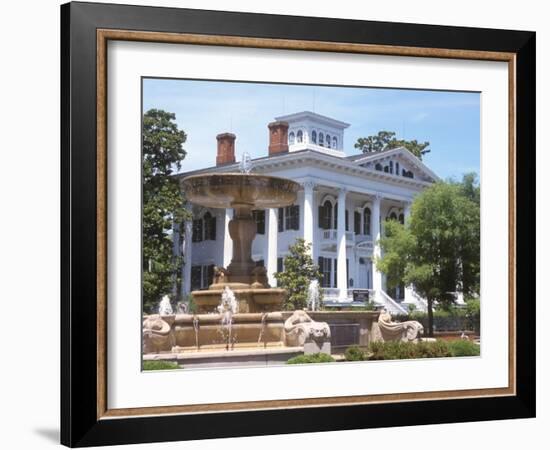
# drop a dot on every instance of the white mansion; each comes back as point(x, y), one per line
point(341, 209)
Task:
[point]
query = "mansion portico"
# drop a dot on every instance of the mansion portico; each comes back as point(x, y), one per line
point(340, 210)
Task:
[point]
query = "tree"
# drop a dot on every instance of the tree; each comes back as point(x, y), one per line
point(163, 210)
point(299, 271)
point(437, 250)
point(385, 140)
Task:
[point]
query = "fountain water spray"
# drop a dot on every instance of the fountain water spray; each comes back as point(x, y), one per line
point(196, 328)
point(313, 295)
point(227, 307)
point(262, 327)
point(245, 166)
point(165, 308)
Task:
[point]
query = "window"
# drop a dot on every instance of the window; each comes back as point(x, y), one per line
point(402, 219)
point(289, 218)
point(357, 222)
point(292, 217)
point(260, 263)
point(378, 166)
point(325, 215)
point(209, 227)
point(408, 174)
point(280, 265)
point(366, 221)
point(299, 137)
point(347, 220)
point(391, 167)
point(197, 230)
point(392, 216)
point(321, 139)
point(196, 277)
point(291, 138)
point(325, 267)
point(201, 277)
point(204, 229)
point(335, 218)
point(314, 137)
point(334, 142)
point(397, 168)
point(328, 141)
point(386, 169)
point(259, 218)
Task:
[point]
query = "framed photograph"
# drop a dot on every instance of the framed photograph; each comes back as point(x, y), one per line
point(279, 224)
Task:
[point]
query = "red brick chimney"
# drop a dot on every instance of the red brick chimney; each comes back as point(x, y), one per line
point(226, 149)
point(278, 137)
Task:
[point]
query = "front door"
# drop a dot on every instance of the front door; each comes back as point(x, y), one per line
point(365, 273)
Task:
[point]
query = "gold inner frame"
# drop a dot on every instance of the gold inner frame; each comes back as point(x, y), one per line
point(104, 35)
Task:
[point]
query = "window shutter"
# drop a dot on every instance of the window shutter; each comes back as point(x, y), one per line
point(321, 218)
point(347, 220)
point(281, 219)
point(335, 282)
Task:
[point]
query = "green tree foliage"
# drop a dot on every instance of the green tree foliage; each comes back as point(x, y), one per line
point(162, 154)
point(385, 140)
point(437, 250)
point(299, 272)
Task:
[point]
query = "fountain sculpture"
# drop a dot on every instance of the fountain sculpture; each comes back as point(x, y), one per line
point(240, 305)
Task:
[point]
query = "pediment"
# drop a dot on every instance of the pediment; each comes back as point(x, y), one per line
point(399, 162)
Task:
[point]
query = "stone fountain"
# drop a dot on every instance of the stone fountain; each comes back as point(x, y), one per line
point(253, 329)
point(244, 193)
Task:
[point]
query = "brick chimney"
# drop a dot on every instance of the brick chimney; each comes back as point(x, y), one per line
point(278, 137)
point(226, 149)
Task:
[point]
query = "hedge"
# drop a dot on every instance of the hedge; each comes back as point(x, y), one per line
point(412, 350)
point(313, 358)
point(160, 365)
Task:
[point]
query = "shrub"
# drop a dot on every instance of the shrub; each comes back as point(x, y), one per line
point(355, 353)
point(313, 358)
point(464, 348)
point(160, 365)
point(408, 350)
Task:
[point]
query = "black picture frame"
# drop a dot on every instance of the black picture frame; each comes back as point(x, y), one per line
point(80, 425)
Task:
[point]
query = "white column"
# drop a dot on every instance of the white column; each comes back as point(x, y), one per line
point(227, 242)
point(271, 216)
point(187, 255)
point(376, 252)
point(308, 213)
point(409, 297)
point(342, 275)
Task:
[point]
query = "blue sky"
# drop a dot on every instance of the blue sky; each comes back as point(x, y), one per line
point(450, 121)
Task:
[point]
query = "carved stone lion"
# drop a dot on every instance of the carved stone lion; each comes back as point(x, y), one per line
point(398, 331)
point(157, 335)
point(300, 329)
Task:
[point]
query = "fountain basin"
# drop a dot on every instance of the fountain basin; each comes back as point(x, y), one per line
point(250, 300)
point(232, 190)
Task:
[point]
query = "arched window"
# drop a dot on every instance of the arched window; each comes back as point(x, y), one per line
point(378, 166)
point(314, 137)
point(334, 142)
point(299, 137)
point(366, 221)
point(321, 139)
point(392, 216)
point(325, 215)
point(328, 140)
point(291, 138)
point(402, 219)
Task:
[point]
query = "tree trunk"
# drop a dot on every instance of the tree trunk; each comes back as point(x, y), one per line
point(430, 318)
